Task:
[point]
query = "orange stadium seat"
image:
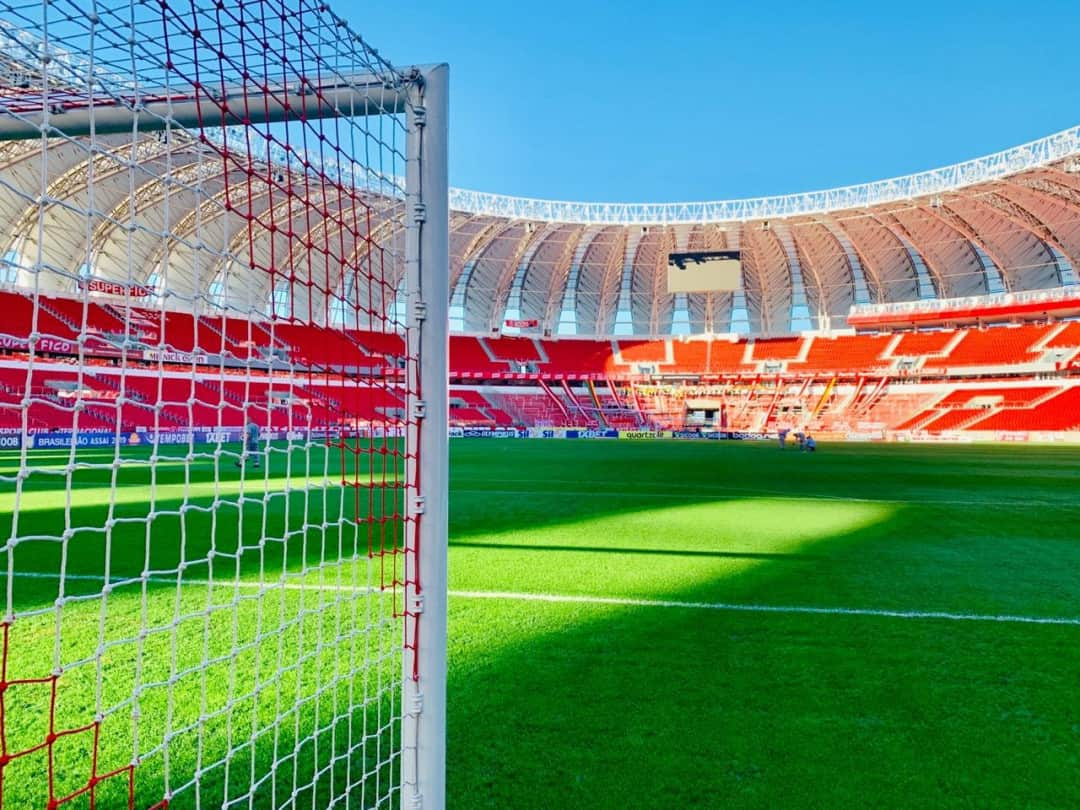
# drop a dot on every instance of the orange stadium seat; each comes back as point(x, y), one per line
point(643, 351)
point(467, 355)
point(1002, 345)
point(726, 357)
point(952, 419)
point(573, 356)
point(786, 348)
point(1061, 412)
point(847, 353)
point(918, 344)
point(513, 348)
point(1067, 338)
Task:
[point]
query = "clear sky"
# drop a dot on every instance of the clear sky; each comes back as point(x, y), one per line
point(653, 101)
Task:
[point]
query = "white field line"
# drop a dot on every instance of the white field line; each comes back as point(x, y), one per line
point(617, 601)
point(756, 608)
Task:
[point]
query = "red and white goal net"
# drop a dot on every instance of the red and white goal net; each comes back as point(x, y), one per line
point(222, 360)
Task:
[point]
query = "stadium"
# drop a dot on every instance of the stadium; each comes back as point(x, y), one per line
point(326, 484)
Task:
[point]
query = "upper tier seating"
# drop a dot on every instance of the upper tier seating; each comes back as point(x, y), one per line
point(649, 352)
point(848, 353)
point(573, 356)
point(726, 357)
point(1001, 345)
point(467, 355)
point(325, 348)
point(917, 344)
point(95, 317)
point(777, 348)
point(1067, 338)
point(18, 319)
point(242, 332)
point(390, 344)
point(691, 356)
point(516, 349)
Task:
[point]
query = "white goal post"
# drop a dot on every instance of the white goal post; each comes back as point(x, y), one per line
point(428, 260)
point(223, 409)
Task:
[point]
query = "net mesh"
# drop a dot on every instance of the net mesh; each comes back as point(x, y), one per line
point(202, 407)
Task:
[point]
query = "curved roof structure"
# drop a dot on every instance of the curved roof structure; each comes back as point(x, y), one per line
point(1008, 222)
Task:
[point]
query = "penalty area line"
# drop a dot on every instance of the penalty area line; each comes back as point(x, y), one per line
point(736, 607)
point(293, 584)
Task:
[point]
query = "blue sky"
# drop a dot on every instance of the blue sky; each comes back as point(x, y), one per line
point(639, 101)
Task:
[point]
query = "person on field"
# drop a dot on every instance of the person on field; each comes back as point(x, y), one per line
point(811, 445)
point(251, 444)
point(782, 433)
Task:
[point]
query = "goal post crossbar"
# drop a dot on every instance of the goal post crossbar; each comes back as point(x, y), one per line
point(358, 95)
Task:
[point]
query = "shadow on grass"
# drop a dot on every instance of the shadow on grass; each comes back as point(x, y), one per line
point(571, 705)
point(674, 552)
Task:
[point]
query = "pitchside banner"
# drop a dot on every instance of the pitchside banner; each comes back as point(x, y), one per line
point(722, 435)
point(605, 433)
point(493, 433)
point(531, 433)
point(43, 345)
point(63, 439)
point(487, 433)
point(184, 358)
point(117, 288)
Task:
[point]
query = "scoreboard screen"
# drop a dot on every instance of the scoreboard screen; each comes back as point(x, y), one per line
point(704, 271)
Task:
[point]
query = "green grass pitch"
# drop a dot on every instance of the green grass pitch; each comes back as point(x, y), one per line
point(632, 624)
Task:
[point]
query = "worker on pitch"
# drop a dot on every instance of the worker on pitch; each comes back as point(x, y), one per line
point(251, 443)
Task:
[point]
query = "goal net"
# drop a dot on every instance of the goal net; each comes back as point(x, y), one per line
point(222, 409)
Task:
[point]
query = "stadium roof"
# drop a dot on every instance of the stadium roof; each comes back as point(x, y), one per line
point(897, 189)
point(1006, 222)
point(1003, 223)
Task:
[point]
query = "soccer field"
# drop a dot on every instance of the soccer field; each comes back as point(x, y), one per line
point(633, 624)
point(789, 655)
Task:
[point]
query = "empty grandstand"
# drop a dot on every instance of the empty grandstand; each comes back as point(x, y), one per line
point(858, 308)
point(187, 371)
